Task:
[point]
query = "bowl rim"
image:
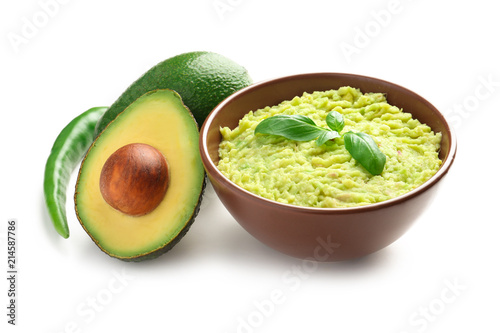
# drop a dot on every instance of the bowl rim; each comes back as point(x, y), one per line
point(214, 172)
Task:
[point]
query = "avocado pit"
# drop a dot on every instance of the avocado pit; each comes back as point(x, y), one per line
point(134, 179)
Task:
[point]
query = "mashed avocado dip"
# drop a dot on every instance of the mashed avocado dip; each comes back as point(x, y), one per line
point(326, 176)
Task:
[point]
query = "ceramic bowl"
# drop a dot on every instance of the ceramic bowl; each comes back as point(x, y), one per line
point(321, 234)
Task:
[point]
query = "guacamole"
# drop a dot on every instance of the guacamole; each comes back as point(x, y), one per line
point(326, 176)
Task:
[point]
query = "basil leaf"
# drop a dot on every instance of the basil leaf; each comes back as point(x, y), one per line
point(361, 146)
point(363, 149)
point(335, 121)
point(299, 117)
point(325, 136)
point(293, 127)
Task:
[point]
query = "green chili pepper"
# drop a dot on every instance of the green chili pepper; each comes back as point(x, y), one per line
point(68, 149)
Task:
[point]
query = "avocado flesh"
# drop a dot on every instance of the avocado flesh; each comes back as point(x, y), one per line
point(159, 119)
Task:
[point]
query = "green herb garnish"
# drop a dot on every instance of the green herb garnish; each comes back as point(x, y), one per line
point(361, 146)
point(363, 149)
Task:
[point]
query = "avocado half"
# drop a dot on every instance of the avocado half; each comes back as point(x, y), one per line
point(141, 182)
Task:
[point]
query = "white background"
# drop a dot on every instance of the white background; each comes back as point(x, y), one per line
point(441, 276)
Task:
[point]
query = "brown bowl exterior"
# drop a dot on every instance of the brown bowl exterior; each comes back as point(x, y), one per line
point(321, 234)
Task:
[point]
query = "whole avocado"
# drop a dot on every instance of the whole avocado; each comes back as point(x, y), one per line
point(202, 79)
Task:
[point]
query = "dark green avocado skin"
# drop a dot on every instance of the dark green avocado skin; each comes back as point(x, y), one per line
point(202, 79)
